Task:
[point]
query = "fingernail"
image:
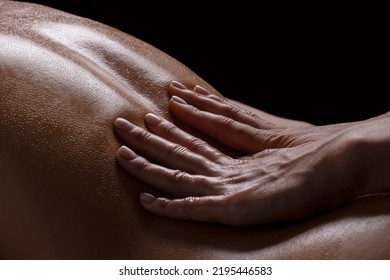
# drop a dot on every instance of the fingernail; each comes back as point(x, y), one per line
point(126, 153)
point(123, 124)
point(147, 198)
point(152, 119)
point(201, 90)
point(178, 99)
point(178, 85)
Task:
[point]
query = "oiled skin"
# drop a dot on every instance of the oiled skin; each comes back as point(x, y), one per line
point(63, 81)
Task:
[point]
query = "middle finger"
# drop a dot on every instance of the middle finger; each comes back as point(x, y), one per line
point(171, 155)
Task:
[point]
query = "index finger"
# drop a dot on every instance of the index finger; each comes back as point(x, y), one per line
point(218, 106)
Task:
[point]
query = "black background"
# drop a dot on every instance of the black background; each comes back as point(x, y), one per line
point(321, 64)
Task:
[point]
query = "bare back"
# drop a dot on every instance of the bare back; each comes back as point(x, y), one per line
point(63, 80)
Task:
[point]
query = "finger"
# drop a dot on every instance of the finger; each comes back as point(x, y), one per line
point(172, 133)
point(232, 133)
point(175, 182)
point(200, 90)
point(201, 209)
point(169, 154)
point(197, 89)
point(217, 105)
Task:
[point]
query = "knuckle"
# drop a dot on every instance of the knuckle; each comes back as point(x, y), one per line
point(142, 135)
point(177, 177)
point(218, 189)
point(188, 203)
point(226, 121)
point(212, 185)
point(162, 203)
point(195, 144)
point(177, 149)
point(225, 124)
point(195, 110)
point(168, 129)
point(216, 167)
point(143, 165)
point(268, 139)
point(232, 111)
point(256, 117)
point(217, 98)
point(206, 185)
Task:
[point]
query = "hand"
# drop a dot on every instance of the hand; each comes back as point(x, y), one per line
point(286, 173)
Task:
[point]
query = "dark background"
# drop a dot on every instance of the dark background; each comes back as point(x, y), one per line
point(322, 64)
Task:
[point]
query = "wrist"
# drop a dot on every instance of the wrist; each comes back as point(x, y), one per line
point(368, 157)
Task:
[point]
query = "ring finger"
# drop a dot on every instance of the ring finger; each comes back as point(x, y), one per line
point(171, 155)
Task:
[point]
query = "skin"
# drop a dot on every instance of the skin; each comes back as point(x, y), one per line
point(63, 195)
point(285, 173)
